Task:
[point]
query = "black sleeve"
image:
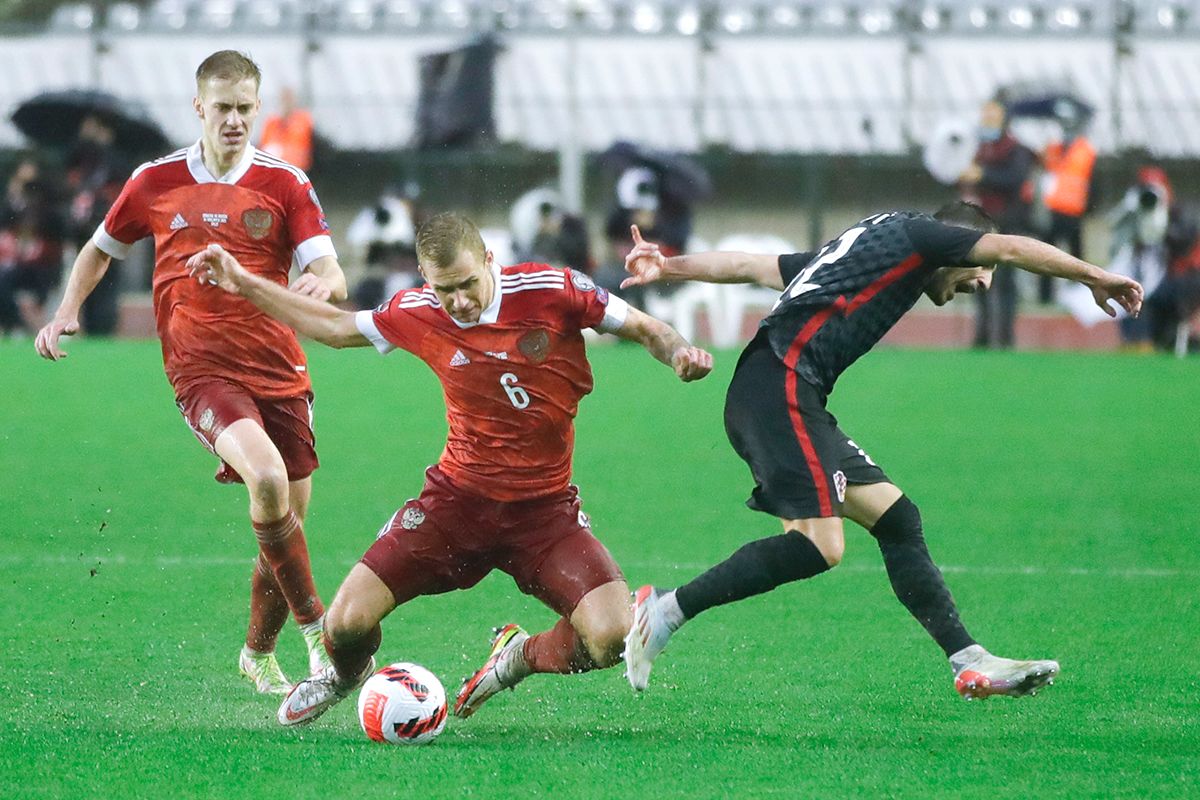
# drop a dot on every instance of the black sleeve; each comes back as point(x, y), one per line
point(939, 244)
point(790, 264)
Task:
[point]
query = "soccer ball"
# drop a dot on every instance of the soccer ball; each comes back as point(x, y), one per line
point(402, 704)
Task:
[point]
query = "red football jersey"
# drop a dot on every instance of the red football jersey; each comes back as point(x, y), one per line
point(513, 380)
point(264, 212)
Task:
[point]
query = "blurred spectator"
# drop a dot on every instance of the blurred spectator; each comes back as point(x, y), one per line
point(637, 203)
point(95, 175)
point(543, 231)
point(1177, 298)
point(384, 234)
point(1066, 187)
point(288, 134)
point(997, 180)
point(32, 232)
point(1139, 250)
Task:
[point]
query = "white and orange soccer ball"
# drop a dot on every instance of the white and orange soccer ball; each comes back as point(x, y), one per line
point(402, 704)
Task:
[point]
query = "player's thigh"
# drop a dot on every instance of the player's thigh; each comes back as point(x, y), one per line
point(426, 548)
point(553, 555)
point(288, 421)
point(361, 602)
point(210, 407)
point(866, 503)
point(779, 426)
point(247, 448)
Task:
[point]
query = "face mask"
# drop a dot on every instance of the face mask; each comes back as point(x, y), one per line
point(988, 134)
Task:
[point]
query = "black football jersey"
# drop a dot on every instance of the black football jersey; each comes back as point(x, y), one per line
point(841, 300)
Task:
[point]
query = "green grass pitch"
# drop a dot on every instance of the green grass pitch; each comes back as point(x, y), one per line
point(1059, 492)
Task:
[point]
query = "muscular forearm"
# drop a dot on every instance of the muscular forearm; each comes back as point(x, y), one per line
point(329, 271)
point(313, 318)
point(716, 267)
point(661, 340)
point(1036, 257)
point(89, 267)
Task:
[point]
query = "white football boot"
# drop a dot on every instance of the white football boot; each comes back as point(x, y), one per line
point(314, 635)
point(978, 674)
point(647, 637)
point(262, 669)
point(495, 675)
point(312, 697)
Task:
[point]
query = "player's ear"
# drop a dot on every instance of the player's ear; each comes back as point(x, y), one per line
point(199, 106)
point(488, 258)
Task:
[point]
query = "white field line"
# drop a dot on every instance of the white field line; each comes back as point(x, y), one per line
point(165, 561)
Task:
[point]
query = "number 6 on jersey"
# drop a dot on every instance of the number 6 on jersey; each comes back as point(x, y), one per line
point(516, 395)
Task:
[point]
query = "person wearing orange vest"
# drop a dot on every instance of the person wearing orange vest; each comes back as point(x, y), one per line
point(1066, 188)
point(288, 135)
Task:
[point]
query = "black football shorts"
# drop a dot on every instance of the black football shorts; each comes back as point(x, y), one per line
point(777, 422)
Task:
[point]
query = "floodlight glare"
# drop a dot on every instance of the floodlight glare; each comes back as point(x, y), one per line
point(1020, 17)
point(647, 18)
point(688, 21)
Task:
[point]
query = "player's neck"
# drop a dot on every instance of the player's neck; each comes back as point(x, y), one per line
point(218, 163)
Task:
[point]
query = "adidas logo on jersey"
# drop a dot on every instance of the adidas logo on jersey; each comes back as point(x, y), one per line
point(178, 222)
point(459, 359)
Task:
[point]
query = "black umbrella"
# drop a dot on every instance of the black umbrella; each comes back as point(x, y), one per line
point(680, 178)
point(53, 119)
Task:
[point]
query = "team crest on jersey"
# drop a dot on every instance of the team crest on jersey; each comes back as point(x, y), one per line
point(207, 418)
point(258, 222)
point(411, 518)
point(839, 485)
point(535, 345)
point(582, 282)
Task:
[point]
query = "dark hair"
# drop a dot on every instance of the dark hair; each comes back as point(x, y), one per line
point(443, 237)
point(228, 65)
point(966, 215)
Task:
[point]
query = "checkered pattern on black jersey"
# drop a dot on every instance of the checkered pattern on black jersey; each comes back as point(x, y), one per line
point(845, 299)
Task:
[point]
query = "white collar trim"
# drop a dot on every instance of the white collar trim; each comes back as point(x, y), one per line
point(195, 162)
point(492, 312)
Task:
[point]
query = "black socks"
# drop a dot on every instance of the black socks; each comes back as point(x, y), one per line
point(915, 579)
point(756, 567)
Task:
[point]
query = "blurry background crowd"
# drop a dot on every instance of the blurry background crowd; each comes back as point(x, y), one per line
point(763, 125)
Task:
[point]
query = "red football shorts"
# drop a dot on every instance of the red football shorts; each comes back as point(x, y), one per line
point(448, 539)
point(209, 407)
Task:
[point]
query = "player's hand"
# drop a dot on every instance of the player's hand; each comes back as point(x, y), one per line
point(691, 363)
point(312, 286)
point(1125, 291)
point(644, 262)
point(47, 338)
point(214, 265)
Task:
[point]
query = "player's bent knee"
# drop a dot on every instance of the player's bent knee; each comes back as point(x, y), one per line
point(268, 485)
point(902, 521)
point(831, 545)
point(604, 646)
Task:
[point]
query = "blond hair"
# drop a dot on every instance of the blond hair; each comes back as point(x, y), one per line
point(443, 237)
point(228, 65)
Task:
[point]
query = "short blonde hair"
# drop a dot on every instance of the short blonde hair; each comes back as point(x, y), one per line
point(443, 237)
point(228, 65)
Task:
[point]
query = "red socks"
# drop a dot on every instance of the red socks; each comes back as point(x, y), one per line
point(282, 545)
point(268, 608)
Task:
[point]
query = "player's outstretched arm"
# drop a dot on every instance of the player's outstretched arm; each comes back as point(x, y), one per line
point(1044, 259)
point(664, 343)
point(313, 318)
point(646, 264)
point(89, 267)
point(322, 279)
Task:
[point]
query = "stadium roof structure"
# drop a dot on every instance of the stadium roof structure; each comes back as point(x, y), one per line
point(798, 76)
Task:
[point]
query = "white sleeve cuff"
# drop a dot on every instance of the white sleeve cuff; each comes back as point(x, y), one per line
point(108, 245)
point(615, 314)
point(365, 322)
point(313, 248)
